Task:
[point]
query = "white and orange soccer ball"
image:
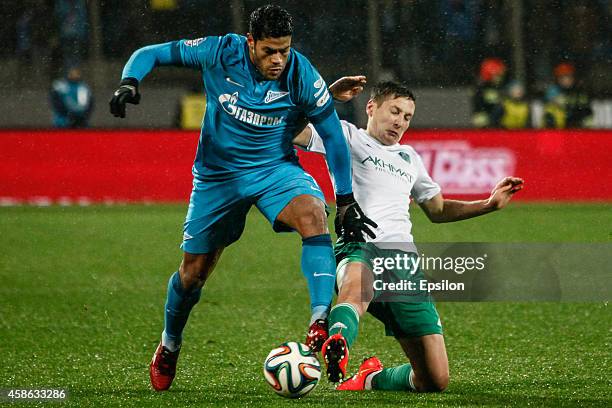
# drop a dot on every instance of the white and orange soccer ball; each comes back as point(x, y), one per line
point(292, 370)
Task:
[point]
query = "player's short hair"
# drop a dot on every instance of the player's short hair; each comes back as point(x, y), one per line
point(389, 89)
point(270, 21)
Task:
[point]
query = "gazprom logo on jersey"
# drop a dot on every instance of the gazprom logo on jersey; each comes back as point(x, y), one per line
point(228, 103)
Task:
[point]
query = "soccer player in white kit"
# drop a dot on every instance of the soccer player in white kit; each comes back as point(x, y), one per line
point(386, 176)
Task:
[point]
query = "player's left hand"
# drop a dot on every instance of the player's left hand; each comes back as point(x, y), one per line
point(126, 93)
point(504, 190)
point(346, 88)
point(351, 223)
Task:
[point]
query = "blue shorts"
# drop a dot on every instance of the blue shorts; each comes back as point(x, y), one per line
point(218, 208)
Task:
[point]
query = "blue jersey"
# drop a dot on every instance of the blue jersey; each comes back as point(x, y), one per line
point(250, 122)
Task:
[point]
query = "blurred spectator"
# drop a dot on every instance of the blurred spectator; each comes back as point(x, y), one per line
point(487, 100)
point(554, 110)
point(71, 101)
point(515, 108)
point(73, 28)
point(567, 99)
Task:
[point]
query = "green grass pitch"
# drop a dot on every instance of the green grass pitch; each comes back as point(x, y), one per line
point(82, 296)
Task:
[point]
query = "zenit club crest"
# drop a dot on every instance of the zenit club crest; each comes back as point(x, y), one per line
point(271, 96)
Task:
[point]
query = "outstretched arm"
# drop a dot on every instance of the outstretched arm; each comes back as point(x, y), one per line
point(199, 54)
point(145, 59)
point(439, 209)
point(138, 66)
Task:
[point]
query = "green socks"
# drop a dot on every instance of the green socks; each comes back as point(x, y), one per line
point(344, 319)
point(394, 379)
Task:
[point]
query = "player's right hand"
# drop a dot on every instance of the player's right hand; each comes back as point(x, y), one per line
point(351, 223)
point(126, 93)
point(346, 88)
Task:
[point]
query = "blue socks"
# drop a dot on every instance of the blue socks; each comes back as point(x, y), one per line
point(319, 268)
point(179, 303)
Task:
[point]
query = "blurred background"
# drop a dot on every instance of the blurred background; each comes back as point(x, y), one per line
point(472, 63)
point(503, 87)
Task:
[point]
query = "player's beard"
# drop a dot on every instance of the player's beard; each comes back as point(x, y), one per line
point(265, 70)
point(270, 75)
point(275, 75)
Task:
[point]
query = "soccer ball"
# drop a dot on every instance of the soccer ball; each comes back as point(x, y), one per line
point(292, 370)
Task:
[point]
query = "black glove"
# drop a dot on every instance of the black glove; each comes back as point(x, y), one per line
point(126, 93)
point(351, 223)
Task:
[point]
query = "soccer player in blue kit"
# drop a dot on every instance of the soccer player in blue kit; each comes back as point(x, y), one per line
point(259, 90)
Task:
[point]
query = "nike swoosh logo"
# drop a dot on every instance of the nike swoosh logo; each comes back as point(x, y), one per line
point(130, 87)
point(228, 79)
point(357, 216)
point(322, 274)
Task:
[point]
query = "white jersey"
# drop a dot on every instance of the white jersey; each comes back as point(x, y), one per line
point(385, 178)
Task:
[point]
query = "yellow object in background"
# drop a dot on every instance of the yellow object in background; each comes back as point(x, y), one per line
point(160, 5)
point(555, 116)
point(193, 107)
point(516, 114)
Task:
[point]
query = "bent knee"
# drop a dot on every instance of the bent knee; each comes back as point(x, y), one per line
point(311, 221)
point(436, 383)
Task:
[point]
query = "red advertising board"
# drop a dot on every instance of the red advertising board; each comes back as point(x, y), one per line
point(116, 166)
